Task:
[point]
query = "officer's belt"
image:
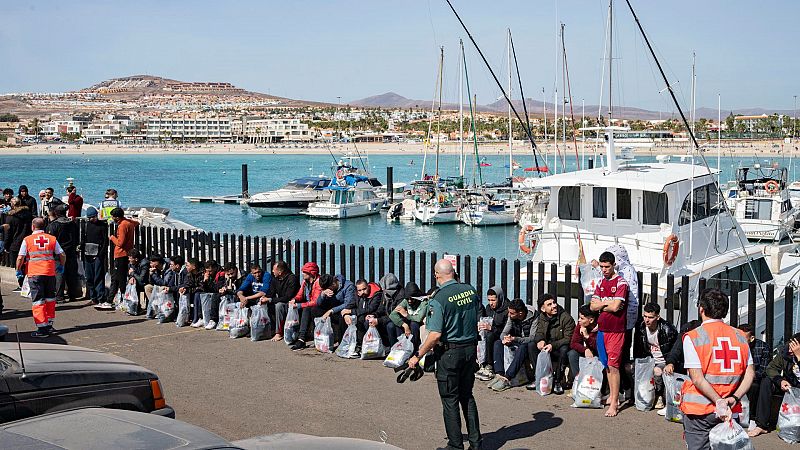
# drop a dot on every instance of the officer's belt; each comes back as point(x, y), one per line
point(452, 345)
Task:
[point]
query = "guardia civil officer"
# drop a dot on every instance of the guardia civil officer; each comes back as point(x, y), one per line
point(453, 336)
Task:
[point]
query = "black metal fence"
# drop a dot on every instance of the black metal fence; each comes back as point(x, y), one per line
point(518, 278)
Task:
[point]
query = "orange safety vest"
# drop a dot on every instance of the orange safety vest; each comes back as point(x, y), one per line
point(723, 352)
point(41, 255)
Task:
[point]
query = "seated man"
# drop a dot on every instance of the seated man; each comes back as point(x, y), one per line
point(553, 335)
point(518, 336)
point(393, 294)
point(282, 290)
point(584, 340)
point(306, 300)
point(156, 273)
point(229, 283)
point(654, 337)
point(254, 287)
point(138, 270)
point(170, 281)
point(368, 301)
point(497, 311)
point(762, 355)
point(407, 317)
point(208, 285)
point(780, 376)
point(337, 295)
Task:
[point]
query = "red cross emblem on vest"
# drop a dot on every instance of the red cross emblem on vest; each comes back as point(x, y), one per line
point(41, 242)
point(726, 355)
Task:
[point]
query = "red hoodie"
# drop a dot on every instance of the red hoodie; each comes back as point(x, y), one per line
point(308, 299)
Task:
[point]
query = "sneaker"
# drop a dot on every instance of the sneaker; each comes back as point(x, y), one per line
point(298, 345)
point(501, 385)
point(485, 374)
point(531, 386)
point(662, 412)
point(211, 325)
point(356, 355)
point(105, 306)
point(43, 333)
point(557, 389)
point(492, 383)
point(660, 404)
point(198, 324)
point(17, 289)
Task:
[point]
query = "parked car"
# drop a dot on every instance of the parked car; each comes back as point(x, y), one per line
point(46, 377)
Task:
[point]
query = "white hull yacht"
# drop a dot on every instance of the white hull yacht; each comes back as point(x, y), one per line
point(761, 203)
point(291, 199)
point(356, 197)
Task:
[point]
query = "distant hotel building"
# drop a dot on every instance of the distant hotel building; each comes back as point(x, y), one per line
point(263, 131)
point(212, 129)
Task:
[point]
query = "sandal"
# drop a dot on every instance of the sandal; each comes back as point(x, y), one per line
point(404, 375)
point(418, 372)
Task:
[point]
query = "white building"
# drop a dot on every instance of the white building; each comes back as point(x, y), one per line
point(214, 129)
point(55, 128)
point(270, 130)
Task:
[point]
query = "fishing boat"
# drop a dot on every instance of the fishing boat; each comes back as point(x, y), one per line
point(291, 199)
point(354, 196)
point(762, 205)
point(402, 211)
point(437, 202)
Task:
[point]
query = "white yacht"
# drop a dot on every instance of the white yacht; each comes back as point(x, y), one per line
point(291, 199)
point(436, 202)
point(402, 211)
point(531, 212)
point(355, 196)
point(485, 210)
point(670, 218)
point(760, 200)
point(153, 216)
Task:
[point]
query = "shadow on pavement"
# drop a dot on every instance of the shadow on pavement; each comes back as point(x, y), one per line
point(100, 325)
point(542, 421)
point(25, 336)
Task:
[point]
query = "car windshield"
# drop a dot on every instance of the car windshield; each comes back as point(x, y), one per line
point(5, 362)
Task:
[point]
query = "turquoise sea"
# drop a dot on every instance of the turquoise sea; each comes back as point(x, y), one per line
point(162, 180)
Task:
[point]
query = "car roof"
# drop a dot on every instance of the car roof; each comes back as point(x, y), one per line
point(296, 441)
point(99, 428)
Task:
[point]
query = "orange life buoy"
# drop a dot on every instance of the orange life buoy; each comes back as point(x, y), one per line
point(772, 186)
point(522, 240)
point(671, 247)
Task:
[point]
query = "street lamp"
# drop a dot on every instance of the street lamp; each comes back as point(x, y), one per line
point(794, 119)
point(338, 107)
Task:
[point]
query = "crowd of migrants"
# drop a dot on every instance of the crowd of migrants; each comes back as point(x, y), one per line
point(611, 357)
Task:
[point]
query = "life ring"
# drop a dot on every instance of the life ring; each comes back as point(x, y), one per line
point(441, 199)
point(772, 187)
point(671, 247)
point(522, 240)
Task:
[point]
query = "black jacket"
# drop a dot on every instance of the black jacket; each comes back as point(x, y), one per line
point(782, 368)
point(675, 356)
point(393, 294)
point(30, 202)
point(499, 315)
point(370, 305)
point(141, 273)
point(19, 226)
point(283, 289)
point(667, 337)
point(66, 233)
point(96, 233)
point(193, 282)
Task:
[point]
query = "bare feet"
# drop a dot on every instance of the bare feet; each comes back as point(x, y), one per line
point(756, 431)
point(611, 411)
point(277, 338)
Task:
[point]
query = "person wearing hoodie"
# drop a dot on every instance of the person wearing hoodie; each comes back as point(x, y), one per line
point(393, 294)
point(17, 226)
point(497, 310)
point(407, 317)
point(123, 240)
point(782, 374)
point(517, 335)
point(553, 334)
point(67, 234)
point(307, 302)
point(28, 201)
point(337, 295)
point(368, 302)
point(95, 255)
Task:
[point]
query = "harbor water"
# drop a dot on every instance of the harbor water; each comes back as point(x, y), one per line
point(163, 179)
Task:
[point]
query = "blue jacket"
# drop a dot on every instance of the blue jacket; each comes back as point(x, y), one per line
point(250, 285)
point(345, 297)
point(170, 279)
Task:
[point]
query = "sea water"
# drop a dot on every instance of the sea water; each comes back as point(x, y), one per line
point(164, 179)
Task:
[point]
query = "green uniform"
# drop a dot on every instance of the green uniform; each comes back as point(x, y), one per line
point(454, 312)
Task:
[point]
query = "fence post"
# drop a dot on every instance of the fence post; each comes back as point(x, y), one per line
point(392, 265)
point(733, 305)
point(401, 265)
point(769, 313)
point(343, 260)
point(540, 281)
point(684, 299)
point(568, 289)
point(273, 249)
point(468, 269)
point(492, 272)
point(412, 266)
point(553, 288)
point(517, 281)
point(371, 256)
point(182, 243)
point(264, 256)
point(788, 312)
point(529, 282)
point(479, 276)
point(751, 306)
point(226, 248)
point(216, 246)
point(361, 260)
point(248, 245)
point(243, 262)
point(287, 252)
point(431, 274)
point(305, 252)
point(640, 292)
point(653, 287)
point(323, 259)
point(162, 241)
point(298, 264)
point(504, 274)
point(353, 262)
point(423, 276)
point(669, 297)
point(313, 253)
point(381, 262)
point(332, 258)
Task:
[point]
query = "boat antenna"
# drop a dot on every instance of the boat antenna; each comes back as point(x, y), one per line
point(360, 158)
point(527, 124)
point(568, 93)
point(494, 76)
point(19, 347)
point(328, 146)
point(693, 139)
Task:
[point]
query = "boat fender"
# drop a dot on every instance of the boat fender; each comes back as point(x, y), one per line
point(522, 240)
point(671, 247)
point(441, 199)
point(772, 187)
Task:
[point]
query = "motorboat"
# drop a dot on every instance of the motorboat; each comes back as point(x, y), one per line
point(436, 202)
point(291, 199)
point(153, 216)
point(402, 211)
point(761, 203)
point(354, 196)
point(794, 192)
point(484, 209)
point(672, 220)
point(533, 207)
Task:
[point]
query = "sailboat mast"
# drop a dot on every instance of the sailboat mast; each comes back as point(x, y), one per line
point(719, 136)
point(439, 115)
point(461, 111)
point(610, 56)
point(510, 132)
point(544, 114)
point(427, 141)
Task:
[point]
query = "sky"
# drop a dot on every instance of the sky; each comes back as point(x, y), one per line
point(342, 50)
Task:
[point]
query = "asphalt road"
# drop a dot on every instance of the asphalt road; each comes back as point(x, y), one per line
point(239, 389)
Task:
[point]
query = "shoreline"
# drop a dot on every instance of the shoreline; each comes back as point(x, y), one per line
point(777, 149)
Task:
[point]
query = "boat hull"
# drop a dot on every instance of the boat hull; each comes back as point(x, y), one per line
point(326, 210)
point(432, 214)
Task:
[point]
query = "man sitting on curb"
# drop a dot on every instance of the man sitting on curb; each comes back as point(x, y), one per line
point(282, 290)
point(553, 334)
point(497, 310)
point(307, 301)
point(408, 316)
point(337, 295)
point(654, 337)
point(518, 335)
point(584, 340)
point(781, 375)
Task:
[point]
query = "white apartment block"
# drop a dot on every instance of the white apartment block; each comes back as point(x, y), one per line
point(56, 128)
point(215, 129)
point(256, 131)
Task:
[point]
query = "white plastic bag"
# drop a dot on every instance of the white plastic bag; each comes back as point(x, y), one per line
point(259, 322)
point(587, 384)
point(544, 374)
point(227, 305)
point(323, 334)
point(183, 311)
point(400, 352)
point(644, 383)
point(672, 391)
point(789, 417)
point(508, 356)
point(590, 278)
point(372, 345)
point(482, 342)
point(292, 326)
point(157, 297)
point(347, 348)
point(130, 301)
point(744, 416)
point(166, 309)
point(729, 436)
point(25, 292)
point(240, 323)
point(206, 305)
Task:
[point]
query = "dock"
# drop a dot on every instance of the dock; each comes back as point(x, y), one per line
point(234, 199)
